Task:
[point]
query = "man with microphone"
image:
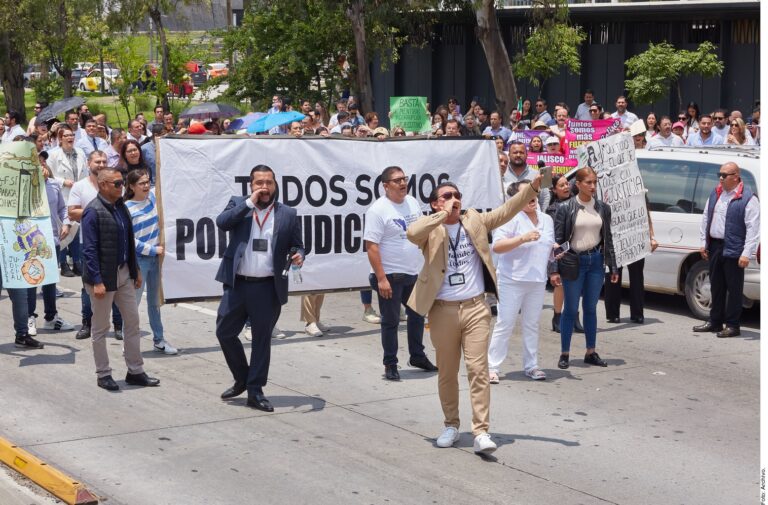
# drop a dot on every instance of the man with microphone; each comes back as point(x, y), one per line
point(264, 239)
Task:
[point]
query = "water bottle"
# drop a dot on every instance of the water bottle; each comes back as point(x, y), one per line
point(296, 274)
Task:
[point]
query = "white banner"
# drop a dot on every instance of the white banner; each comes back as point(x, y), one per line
point(621, 186)
point(331, 182)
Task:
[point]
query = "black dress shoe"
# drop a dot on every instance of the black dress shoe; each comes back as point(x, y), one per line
point(594, 359)
point(391, 373)
point(614, 320)
point(76, 270)
point(28, 343)
point(107, 383)
point(66, 271)
point(84, 332)
point(556, 322)
point(259, 402)
point(708, 327)
point(141, 379)
point(236, 390)
point(422, 363)
point(638, 320)
point(563, 362)
point(729, 332)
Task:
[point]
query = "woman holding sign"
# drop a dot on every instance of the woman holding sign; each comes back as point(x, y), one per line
point(585, 223)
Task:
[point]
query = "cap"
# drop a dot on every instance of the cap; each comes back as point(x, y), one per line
point(678, 124)
point(637, 128)
point(381, 131)
point(539, 124)
point(551, 140)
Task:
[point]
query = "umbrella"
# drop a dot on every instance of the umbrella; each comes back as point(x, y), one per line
point(243, 122)
point(59, 107)
point(210, 110)
point(271, 120)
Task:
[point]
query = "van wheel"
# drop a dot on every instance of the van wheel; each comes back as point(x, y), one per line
point(82, 87)
point(698, 293)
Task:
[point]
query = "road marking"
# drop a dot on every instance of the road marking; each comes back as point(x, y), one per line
point(195, 308)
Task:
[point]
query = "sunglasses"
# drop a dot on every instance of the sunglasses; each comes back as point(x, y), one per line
point(734, 124)
point(681, 118)
point(594, 110)
point(399, 180)
point(118, 183)
point(450, 194)
point(723, 175)
point(718, 118)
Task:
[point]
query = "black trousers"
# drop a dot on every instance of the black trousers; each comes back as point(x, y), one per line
point(726, 280)
point(258, 302)
point(612, 293)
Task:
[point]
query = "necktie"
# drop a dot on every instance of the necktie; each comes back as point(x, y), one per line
point(93, 140)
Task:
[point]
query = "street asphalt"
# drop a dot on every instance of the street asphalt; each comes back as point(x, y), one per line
point(673, 419)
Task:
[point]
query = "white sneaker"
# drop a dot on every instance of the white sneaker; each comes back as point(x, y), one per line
point(403, 315)
point(247, 332)
point(484, 444)
point(276, 333)
point(323, 327)
point(448, 437)
point(31, 326)
point(312, 330)
point(165, 348)
point(370, 316)
point(58, 324)
point(536, 374)
point(493, 377)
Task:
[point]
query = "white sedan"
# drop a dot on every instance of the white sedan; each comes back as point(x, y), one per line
point(92, 82)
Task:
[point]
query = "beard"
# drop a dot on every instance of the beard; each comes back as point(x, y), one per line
point(263, 202)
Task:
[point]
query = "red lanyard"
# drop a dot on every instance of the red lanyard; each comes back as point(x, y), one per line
point(266, 216)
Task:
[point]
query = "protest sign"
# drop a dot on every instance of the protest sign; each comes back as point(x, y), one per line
point(27, 252)
point(579, 132)
point(410, 113)
point(620, 185)
point(331, 182)
point(22, 187)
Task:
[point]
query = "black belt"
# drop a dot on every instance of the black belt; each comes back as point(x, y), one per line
point(254, 279)
point(717, 240)
point(596, 249)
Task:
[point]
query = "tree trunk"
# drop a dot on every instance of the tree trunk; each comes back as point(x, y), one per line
point(363, 72)
point(497, 57)
point(679, 99)
point(12, 70)
point(156, 16)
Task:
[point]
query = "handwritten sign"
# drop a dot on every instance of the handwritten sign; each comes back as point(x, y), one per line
point(409, 113)
point(22, 187)
point(27, 252)
point(620, 185)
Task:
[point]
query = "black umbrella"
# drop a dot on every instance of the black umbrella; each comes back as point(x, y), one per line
point(59, 107)
point(210, 110)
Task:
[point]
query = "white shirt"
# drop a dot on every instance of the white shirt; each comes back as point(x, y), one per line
point(259, 263)
point(86, 144)
point(626, 119)
point(713, 139)
point(723, 132)
point(717, 230)
point(62, 168)
point(671, 141)
point(385, 224)
point(81, 194)
point(469, 265)
point(11, 133)
point(528, 261)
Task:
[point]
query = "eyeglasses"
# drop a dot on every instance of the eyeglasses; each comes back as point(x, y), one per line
point(734, 124)
point(118, 183)
point(681, 117)
point(594, 110)
point(37, 107)
point(723, 175)
point(718, 118)
point(143, 183)
point(399, 180)
point(450, 194)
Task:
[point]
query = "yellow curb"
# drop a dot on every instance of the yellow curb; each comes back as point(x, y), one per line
point(52, 480)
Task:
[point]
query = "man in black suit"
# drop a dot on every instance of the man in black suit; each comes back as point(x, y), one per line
point(263, 233)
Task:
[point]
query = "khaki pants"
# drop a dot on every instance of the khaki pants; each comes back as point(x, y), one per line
point(125, 299)
point(310, 308)
point(457, 327)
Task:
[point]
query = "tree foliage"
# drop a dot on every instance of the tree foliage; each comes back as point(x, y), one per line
point(651, 73)
point(552, 44)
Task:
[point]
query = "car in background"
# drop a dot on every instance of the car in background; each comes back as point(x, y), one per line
point(197, 73)
point(92, 82)
point(217, 70)
point(110, 69)
point(33, 72)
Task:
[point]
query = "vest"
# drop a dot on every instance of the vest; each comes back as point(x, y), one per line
point(735, 226)
point(108, 236)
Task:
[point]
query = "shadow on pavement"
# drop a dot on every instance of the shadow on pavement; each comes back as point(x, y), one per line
point(31, 357)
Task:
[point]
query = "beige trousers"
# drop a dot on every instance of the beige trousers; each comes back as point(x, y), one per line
point(457, 327)
point(310, 308)
point(125, 299)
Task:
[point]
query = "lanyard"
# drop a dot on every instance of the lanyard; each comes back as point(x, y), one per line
point(454, 246)
point(266, 216)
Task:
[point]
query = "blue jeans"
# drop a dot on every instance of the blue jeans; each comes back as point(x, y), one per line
point(73, 250)
point(402, 285)
point(587, 287)
point(87, 313)
point(150, 274)
point(49, 301)
point(366, 296)
point(19, 309)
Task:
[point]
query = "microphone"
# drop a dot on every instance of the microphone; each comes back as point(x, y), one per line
point(541, 164)
point(288, 261)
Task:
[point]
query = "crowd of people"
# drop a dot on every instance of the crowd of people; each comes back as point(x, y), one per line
point(101, 179)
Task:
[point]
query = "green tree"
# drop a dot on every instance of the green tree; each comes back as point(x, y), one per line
point(126, 55)
point(652, 73)
point(15, 44)
point(552, 44)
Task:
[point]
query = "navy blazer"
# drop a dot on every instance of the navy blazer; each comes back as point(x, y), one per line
point(237, 218)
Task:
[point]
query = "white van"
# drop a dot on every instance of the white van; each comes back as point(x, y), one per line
point(679, 181)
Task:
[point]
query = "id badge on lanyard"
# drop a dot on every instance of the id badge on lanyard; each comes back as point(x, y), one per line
point(455, 279)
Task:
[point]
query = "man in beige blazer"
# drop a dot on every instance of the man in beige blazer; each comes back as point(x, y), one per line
point(457, 272)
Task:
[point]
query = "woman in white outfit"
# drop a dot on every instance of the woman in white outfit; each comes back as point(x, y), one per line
point(523, 246)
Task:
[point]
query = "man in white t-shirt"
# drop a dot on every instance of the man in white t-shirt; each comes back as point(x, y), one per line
point(82, 193)
point(12, 127)
point(626, 117)
point(395, 263)
point(665, 137)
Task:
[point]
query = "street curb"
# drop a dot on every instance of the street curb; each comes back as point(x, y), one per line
point(49, 478)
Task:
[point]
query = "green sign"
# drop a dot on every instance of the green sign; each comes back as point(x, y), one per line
point(409, 113)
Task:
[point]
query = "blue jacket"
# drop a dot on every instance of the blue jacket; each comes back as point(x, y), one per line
point(735, 226)
point(237, 218)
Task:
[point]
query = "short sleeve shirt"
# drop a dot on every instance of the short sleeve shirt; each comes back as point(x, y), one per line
point(386, 223)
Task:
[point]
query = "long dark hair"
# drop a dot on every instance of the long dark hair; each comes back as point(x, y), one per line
point(141, 165)
point(689, 118)
point(131, 179)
